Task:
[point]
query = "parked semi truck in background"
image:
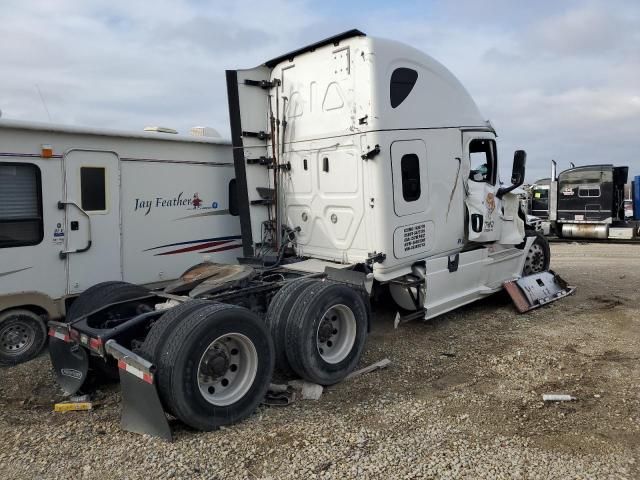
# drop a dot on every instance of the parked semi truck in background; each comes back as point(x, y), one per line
point(362, 164)
point(589, 202)
point(80, 206)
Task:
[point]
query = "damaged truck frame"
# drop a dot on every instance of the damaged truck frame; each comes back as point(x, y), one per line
point(362, 164)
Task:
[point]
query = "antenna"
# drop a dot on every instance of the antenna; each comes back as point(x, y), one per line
point(44, 104)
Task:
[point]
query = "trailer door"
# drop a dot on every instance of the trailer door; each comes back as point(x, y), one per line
point(92, 218)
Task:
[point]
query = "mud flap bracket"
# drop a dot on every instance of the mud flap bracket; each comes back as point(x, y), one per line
point(536, 290)
point(142, 410)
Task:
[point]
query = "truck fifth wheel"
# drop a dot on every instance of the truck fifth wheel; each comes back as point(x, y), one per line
point(361, 164)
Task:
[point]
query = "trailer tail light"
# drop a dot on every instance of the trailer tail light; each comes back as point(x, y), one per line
point(95, 344)
point(59, 333)
point(74, 335)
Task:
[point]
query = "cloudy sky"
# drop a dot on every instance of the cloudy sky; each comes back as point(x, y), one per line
point(558, 78)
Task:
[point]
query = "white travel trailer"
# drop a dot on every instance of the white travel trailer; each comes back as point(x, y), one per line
point(362, 164)
point(80, 206)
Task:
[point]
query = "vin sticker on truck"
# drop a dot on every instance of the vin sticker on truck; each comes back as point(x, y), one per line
point(412, 239)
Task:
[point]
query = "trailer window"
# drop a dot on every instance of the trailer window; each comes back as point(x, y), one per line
point(410, 168)
point(93, 190)
point(233, 197)
point(402, 82)
point(590, 191)
point(482, 154)
point(20, 205)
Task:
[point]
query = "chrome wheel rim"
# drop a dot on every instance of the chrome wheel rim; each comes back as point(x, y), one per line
point(16, 337)
point(336, 334)
point(227, 369)
point(535, 260)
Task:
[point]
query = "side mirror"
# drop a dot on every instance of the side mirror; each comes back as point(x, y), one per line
point(517, 173)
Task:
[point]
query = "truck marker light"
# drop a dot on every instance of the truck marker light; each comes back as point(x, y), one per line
point(95, 344)
point(46, 151)
point(147, 377)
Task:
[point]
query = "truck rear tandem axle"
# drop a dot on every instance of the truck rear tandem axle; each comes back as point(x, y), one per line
point(209, 361)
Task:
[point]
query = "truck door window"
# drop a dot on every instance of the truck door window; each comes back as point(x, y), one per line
point(402, 82)
point(20, 205)
point(410, 168)
point(482, 154)
point(93, 189)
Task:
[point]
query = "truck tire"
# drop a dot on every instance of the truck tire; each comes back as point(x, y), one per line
point(216, 366)
point(326, 332)
point(103, 294)
point(23, 334)
point(161, 329)
point(539, 255)
point(277, 315)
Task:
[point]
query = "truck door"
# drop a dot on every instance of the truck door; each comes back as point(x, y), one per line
point(92, 218)
point(483, 206)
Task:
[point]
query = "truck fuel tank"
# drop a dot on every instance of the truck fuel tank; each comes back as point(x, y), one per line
point(585, 230)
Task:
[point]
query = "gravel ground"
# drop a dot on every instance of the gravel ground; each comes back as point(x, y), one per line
point(461, 399)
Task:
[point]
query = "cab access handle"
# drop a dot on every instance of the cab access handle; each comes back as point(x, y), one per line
point(61, 206)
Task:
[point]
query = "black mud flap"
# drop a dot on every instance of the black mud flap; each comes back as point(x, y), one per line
point(142, 410)
point(536, 290)
point(70, 362)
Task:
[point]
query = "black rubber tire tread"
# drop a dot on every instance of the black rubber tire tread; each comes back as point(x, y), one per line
point(302, 325)
point(277, 315)
point(163, 326)
point(177, 365)
point(102, 294)
point(39, 341)
point(544, 243)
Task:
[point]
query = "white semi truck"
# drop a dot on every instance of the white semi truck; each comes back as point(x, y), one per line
point(362, 164)
point(80, 206)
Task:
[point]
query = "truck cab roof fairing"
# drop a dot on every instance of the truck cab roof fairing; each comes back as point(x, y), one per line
point(333, 40)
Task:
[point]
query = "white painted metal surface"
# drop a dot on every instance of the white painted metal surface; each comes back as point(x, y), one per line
point(338, 104)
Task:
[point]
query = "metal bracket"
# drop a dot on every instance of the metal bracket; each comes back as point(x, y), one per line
point(267, 161)
point(261, 135)
point(285, 166)
point(376, 257)
point(371, 153)
point(265, 84)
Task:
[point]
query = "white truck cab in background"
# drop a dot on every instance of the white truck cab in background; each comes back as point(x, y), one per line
point(80, 206)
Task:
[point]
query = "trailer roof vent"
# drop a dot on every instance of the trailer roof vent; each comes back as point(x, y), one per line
point(204, 132)
point(160, 130)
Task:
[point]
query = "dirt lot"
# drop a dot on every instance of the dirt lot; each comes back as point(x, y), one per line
point(462, 398)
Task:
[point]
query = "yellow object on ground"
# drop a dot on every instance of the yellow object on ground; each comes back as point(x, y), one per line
point(72, 406)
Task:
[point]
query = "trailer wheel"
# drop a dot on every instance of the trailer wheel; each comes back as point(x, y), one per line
point(538, 257)
point(277, 315)
point(22, 336)
point(326, 332)
point(103, 294)
point(216, 367)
